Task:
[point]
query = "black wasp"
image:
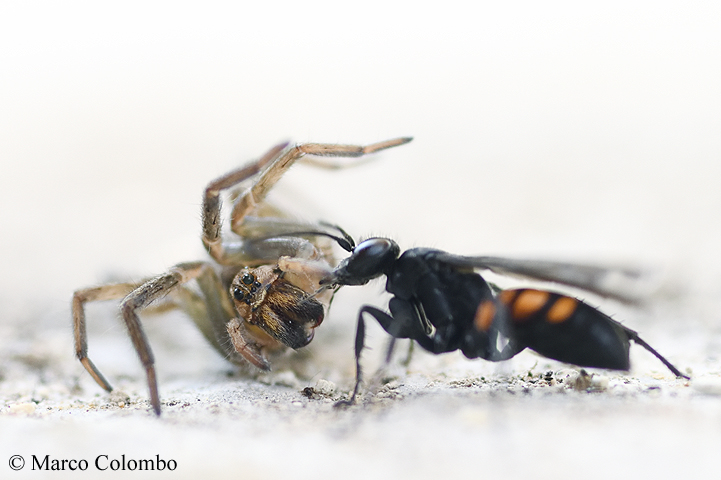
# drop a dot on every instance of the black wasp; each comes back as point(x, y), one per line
point(441, 302)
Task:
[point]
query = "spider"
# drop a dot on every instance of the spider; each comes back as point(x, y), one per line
point(260, 291)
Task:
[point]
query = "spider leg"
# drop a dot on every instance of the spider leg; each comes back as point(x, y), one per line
point(333, 164)
point(267, 170)
point(267, 222)
point(247, 344)
point(214, 316)
point(247, 202)
point(210, 309)
point(207, 310)
point(143, 296)
point(211, 200)
point(305, 272)
point(80, 298)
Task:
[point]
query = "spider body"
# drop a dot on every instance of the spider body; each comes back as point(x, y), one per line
point(442, 303)
point(259, 292)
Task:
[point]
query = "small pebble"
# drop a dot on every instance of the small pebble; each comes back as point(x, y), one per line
point(599, 382)
point(22, 408)
point(324, 387)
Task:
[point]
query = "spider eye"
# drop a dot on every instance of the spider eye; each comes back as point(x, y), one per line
point(238, 294)
point(247, 279)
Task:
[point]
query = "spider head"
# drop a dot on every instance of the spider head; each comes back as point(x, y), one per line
point(280, 309)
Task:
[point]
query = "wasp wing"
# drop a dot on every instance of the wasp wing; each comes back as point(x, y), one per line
point(626, 284)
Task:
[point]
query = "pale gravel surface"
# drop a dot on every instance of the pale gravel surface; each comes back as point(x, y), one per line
point(442, 416)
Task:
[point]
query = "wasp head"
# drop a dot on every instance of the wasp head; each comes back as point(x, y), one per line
point(370, 259)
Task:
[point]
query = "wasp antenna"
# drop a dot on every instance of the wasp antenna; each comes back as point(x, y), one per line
point(345, 234)
point(346, 244)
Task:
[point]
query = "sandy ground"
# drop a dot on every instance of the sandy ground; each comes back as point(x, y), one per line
point(558, 130)
point(440, 415)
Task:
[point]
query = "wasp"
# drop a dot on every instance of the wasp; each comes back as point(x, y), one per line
point(259, 292)
point(441, 302)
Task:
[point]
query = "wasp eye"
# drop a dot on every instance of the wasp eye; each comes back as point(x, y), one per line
point(372, 257)
point(247, 279)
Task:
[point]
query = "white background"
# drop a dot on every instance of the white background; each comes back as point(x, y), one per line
point(540, 129)
point(556, 130)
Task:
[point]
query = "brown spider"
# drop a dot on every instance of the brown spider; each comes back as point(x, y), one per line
point(260, 290)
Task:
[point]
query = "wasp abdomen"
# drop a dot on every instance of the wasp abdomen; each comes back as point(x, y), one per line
point(566, 329)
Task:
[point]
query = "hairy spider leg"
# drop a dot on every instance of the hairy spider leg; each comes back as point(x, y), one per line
point(80, 298)
point(269, 169)
point(212, 310)
point(137, 297)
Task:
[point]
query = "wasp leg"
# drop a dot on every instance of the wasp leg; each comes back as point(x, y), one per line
point(389, 350)
point(359, 344)
point(403, 323)
point(409, 355)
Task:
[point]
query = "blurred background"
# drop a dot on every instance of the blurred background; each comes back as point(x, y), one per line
point(554, 130)
point(558, 130)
